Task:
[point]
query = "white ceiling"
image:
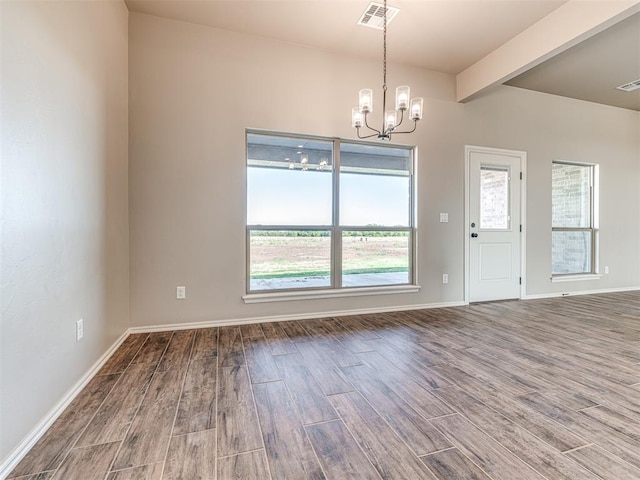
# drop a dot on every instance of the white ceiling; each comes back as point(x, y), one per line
point(442, 35)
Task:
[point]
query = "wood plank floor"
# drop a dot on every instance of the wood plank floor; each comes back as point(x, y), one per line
point(511, 390)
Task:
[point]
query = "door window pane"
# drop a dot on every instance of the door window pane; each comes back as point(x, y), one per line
point(375, 185)
point(287, 259)
point(289, 181)
point(494, 198)
point(571, 252)
point(375, 258)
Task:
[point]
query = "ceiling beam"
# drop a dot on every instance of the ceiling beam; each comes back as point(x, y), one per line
point(570, 24)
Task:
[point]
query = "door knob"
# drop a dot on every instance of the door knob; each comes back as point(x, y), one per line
point(474, 235)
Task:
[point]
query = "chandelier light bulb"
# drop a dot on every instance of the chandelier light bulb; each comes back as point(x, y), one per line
point(390, 119)
point(402, 98)
point(416, 108)
point(356, 117)
point(365, 100)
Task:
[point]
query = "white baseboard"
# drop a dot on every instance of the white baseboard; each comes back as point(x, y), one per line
point(289, 317)
point(34, 435)
point(580, 292)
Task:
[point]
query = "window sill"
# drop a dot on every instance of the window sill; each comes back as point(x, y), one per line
point(573, 278)
point(328, 293)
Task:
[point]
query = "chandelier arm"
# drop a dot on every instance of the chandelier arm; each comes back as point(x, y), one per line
point(371, 128)
point(366, 136)
point(415, 124)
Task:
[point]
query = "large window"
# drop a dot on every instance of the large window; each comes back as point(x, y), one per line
point(574, 233)
point(327, 213)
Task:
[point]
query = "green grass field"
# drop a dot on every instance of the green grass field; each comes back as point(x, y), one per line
point(287, 257)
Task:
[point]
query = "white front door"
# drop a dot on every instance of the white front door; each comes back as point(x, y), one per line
point(494, 224)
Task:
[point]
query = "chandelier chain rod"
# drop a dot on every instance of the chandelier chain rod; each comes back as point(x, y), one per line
point(384, 68)
point(384, 48)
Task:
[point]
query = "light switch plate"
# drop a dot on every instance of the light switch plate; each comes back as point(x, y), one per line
point(79, 330)
point(181, 293)
point(444, 218)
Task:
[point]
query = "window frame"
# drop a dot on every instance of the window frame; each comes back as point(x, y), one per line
point(593, 228)
point(335, 287)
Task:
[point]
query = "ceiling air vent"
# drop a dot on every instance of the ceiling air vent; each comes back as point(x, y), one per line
point(373, 16)
point(630, 87)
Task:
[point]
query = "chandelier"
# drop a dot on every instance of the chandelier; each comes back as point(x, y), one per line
point(392, 119)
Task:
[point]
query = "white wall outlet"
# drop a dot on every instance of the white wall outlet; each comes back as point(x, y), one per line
point(181, 293)
point(79, 330)
point(445, 278)
point(606, 270)
point(444, 218)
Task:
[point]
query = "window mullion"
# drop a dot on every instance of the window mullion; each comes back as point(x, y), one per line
point(336, 233)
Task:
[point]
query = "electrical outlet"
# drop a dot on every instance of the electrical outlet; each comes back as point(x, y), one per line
point(606, 270)
point(445, 278)
point(79, 330)
point(181, 293)
point(444, 218)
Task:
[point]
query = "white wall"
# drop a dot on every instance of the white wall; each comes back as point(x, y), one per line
point(64, 200)
point(194, 90)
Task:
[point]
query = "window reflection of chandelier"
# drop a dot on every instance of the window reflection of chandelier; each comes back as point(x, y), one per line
point(304, 163)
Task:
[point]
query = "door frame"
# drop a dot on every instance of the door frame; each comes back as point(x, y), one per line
point(522, 155)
